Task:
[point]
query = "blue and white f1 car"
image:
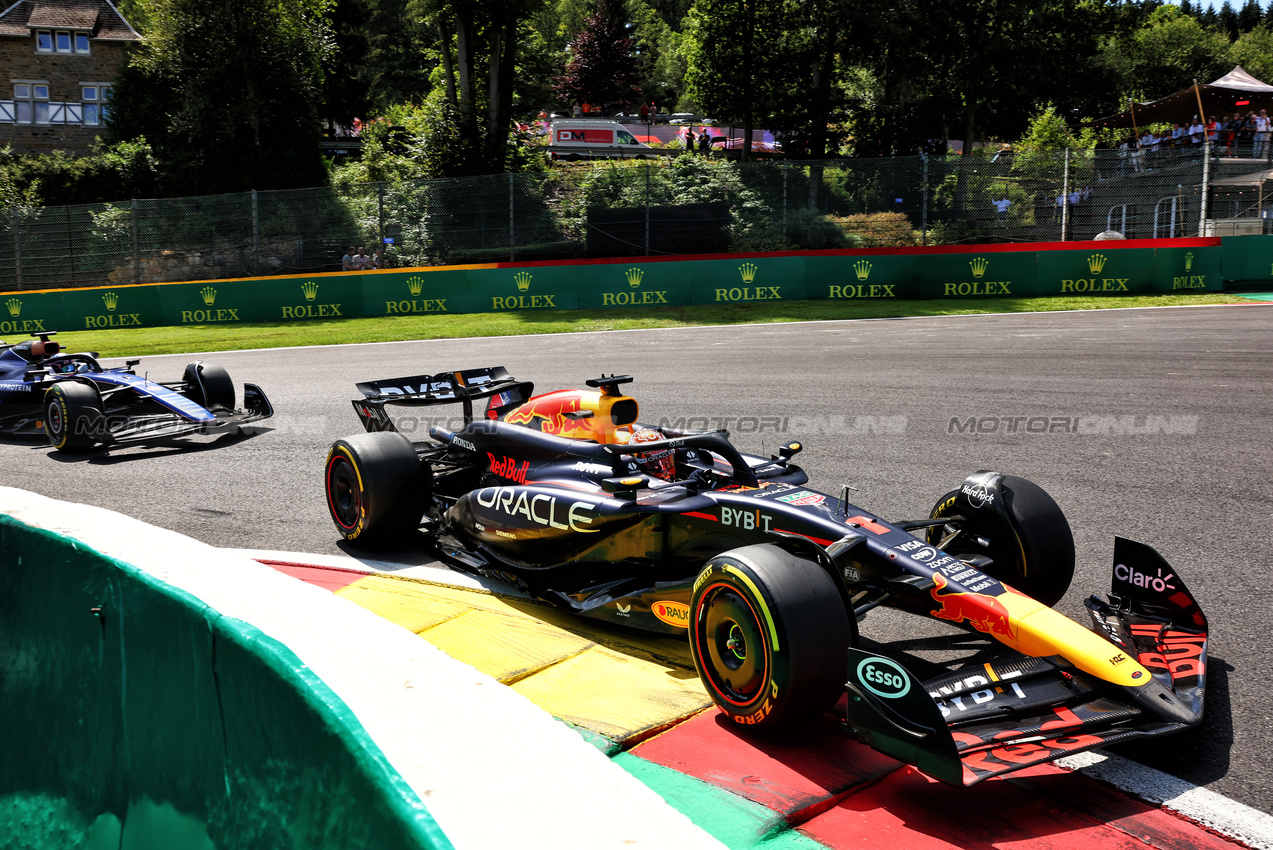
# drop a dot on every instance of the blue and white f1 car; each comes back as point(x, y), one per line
point(77, 403)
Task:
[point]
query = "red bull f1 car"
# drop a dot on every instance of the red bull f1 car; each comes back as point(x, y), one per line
point(77, 403)
point(569, 496)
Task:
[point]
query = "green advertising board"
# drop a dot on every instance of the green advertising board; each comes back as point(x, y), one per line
point(1096, 271)
point(314, 297)
point(26, 313)
point(113, 307)
point(635, 285)
point(211, 302)
point(1186, 270)
point(542, 287)
point(1247, 259)
point(418, 292)
point(749, 280)
point(1087, 269)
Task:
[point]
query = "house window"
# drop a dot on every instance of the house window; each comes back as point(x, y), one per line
point(61, 41)
point(31, 103)
point(96, 98)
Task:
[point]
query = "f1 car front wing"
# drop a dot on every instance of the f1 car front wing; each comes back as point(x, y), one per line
point(977, 722)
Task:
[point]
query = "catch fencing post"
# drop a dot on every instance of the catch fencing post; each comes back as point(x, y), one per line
point(17, 248)
point(784, 200)
point(924, 202)
point(512, 251)
point(136, 246)
point(647, 208)
point(1206, 183)
point(256, 235)
point(1065, 196)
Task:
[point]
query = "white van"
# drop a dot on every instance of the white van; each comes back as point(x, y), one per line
point(584, 138)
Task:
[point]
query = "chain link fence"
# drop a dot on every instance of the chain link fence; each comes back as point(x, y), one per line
point(690, 204)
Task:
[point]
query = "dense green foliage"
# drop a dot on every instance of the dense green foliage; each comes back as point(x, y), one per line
point(236, 94)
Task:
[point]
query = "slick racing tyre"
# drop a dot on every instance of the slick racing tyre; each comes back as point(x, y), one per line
point(376, 491)
point(769, 633)
point(72, 416)
point(1032, 553)
point(209, 385)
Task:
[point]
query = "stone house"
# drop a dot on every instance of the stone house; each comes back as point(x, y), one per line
point(58, 62)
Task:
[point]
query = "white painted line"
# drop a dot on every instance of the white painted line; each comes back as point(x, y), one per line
point(701, 327)
point(1228, 817)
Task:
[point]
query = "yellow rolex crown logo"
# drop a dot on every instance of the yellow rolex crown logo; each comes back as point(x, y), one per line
point(634, 276)
point(748, 271)
point(863, 269)
point(1189, 261)
point(979, 266)
point(111, 300)
point(15, 307)
point(523, 281)
point(209, 296)
point(415, 284)
point(310, 288)
point(1096, 262)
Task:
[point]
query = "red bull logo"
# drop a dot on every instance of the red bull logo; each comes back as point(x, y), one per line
point(984, 613)
point(507, 468)
point(550, 409)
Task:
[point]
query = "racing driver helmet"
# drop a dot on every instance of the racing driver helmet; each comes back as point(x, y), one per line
point(660, 463)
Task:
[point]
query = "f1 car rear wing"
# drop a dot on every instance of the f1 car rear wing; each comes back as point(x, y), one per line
point(977, 722)
point(461, 387)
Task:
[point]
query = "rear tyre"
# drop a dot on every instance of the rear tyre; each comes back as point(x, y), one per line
point(769, 633)
point(73, 419)
point(1033, 554)
point(209, 385)
point(376, 490)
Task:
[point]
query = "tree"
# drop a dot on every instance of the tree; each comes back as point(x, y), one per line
point(1249, 16)
point(737, 61)
point(473, 33)
point(1254, 51)
point(601, 70)
point(227, 92)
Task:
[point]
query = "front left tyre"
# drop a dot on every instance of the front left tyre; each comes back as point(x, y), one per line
point(769, 634)
point(73, 418)
point(209, 386)
point(376, 489)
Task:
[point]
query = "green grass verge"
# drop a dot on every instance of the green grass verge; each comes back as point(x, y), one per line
point(197, 338)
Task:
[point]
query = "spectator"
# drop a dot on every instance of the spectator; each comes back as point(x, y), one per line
point(361, 260)
point(1246, 135)
point(645, 112)
point(1232, 125)
point(689, 137)
point(577, 110)
point(1001, 207)
point(378, 261)
point(1261, 134)
point(705, 142)
point(1213, 131)
point(347, 261)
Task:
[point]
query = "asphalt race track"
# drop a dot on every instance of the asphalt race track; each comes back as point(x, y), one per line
point(1150, 424)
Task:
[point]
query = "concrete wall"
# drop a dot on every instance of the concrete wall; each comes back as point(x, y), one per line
point(155, 692)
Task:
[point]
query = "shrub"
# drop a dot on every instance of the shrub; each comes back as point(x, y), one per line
point(880, 230)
